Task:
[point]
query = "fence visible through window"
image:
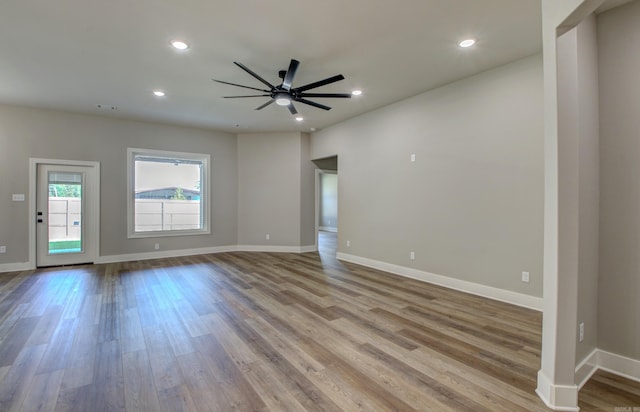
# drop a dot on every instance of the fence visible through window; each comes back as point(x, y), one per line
point(160, 214)
point(65, 224)
point(151, 214)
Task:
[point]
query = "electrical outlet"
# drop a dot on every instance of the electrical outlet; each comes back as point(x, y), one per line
point(3, 249)
point(348, 243)
point(412, 255)
point(156, 246)
point(581, 330)
point(268, 236)
point(413, 157)
point(525, 277)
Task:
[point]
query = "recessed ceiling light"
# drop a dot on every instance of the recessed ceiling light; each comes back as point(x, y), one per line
point(179, 44)
point(299, 118)
point(356, 92)
point(467, 43)
point(159, 93)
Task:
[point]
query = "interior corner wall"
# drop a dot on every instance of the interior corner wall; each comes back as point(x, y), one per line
point(37, 133)
point(270, 187)
point(471, 205)
point(619, 78)
point(307, 193)
point(588, 185)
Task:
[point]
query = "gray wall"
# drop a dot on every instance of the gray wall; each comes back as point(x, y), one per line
point(471, 205)
point(568, 202)
point(26, 132)
point(275, 190)
point(589, 185)
point(619, 77)
point(578, 190)
point(307, 193)
point(328, 201)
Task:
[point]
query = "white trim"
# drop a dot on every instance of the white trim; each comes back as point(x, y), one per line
point(557, 397)
point(128, 257)
point(276, 249)
point(16, 267)
point(619, 365)
point(205, 192)
point(610, 362)
point(33, 171)
point(586, 368)
point(328, 229)
point(490, 292)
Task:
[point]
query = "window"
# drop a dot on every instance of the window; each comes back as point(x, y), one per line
point(168, 193)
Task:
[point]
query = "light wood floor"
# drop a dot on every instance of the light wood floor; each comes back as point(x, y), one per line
point(266, 331)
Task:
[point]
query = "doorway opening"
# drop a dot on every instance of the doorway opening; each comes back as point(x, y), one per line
point(327, 205)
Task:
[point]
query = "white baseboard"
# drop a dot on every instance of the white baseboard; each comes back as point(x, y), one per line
point(490, 292)
point(276, 249)
point(328, 229)
point(15, 267)
point(586, 368)
point(619, 365)
point(607, 361)
point(203, 251)
point(128, 257)
point(557, 397)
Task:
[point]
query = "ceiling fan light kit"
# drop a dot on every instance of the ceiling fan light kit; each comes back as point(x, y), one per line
point(285, 94)
point(282, 99)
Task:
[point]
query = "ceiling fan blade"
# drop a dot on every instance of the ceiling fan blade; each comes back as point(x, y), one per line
point(239, 85)
point(292, 109)
point(314, 104)
point(266, 104)
point(248, 70)
point(253, 95)
point(288, 78)
point(335, 95)
point(324, 82)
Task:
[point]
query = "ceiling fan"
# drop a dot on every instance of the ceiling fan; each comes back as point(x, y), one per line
point(285, 94)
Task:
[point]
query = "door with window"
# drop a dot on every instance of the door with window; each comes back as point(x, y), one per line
point(65, 213)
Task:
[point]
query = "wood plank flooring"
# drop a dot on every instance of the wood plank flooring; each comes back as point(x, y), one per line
point(266, 332)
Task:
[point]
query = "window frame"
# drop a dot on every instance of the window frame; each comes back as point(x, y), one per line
point(205, 197)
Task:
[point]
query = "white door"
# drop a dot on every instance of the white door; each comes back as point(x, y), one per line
point(64, 215)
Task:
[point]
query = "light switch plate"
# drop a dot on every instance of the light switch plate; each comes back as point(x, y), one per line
point(18, 197)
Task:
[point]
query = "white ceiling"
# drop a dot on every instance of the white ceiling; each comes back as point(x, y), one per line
point(76, 54)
